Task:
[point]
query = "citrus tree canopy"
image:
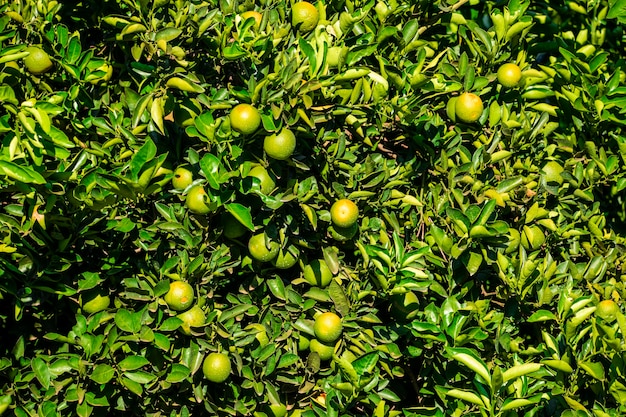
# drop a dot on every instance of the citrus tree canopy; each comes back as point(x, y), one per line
point(313, 208)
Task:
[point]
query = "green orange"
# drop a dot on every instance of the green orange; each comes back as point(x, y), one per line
point(38, 61)
point(180, 296)
point(344, 213)
point(280, 145)
point(245, 118)
point(216, 367)
point(194, 317)
point(327, 327)
point(267, 183)
point(468, 107)
point(196, 200)
point(95, 301)
point(263, 249)
point(182, 178)
point(304, 16)
point(509, 75)
point(324, 350)
point(318, 273)
point(607, 310)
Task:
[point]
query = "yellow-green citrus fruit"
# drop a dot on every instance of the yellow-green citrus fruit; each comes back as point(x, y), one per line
point(343, 234)
point(267, 183)
point(180, 296)
point(38, 61)
point(280, 145)
point(304, 16)
point(287, 257)
point(325, 351)
point(450, 108)
point(509, 75)
point(196, 200)
point(245, 119)
point(182, 178)
point(194, 317)
point(216, 367)
point(468, 107)
point(233, 228)
point(318, 273)
point(552, 172)
point(303, 342)
point(95, 301)
point(261, 251)
point(254, 14)
point(328, 327)
point(344, 213)
point(607, 310)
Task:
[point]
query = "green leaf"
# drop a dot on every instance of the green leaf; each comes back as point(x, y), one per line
point(42, 372)
point(178, 373)
point(212, 167)
point(234, 312)
point(541, 315)
point(25, 174)
point(366, 364)
point(102, 373)
point(132, 386)
point(242, 213)
point(470, 359)
point(127, 321)
point(133, 362)
point(342, 305)
point(595, 369)
point(146, 153)
point(520, 370)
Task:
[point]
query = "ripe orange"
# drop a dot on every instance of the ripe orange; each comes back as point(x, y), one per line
point(38, 61)
point(280, 145)
point(267, 183)
point(180, 296)
point(95, 301)
point(196, 200)
point(216, 367)
point(194, 317)
point(344, 213)
point(182, 178)
point(325, 351)
point(327, 327)
point(318, 273)
point(509, 75)
point(245, 119)
point(468, 107)
point(253, 14)
point(304, 16)
point(261, 251)
point(607, 310)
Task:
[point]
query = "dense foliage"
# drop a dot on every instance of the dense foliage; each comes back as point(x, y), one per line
point(484, 273)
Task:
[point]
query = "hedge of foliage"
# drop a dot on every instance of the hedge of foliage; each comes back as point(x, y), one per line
point(485, 276)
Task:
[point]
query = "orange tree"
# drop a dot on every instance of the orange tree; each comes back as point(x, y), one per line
point(489, 225)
